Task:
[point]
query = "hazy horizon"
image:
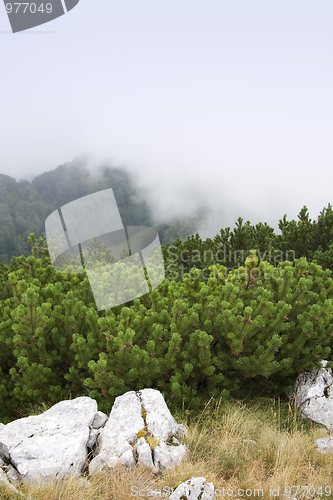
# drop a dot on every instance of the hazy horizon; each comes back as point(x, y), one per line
point(159, 213)
point(223, 104)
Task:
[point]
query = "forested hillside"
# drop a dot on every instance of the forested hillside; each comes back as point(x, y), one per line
point(24, 206)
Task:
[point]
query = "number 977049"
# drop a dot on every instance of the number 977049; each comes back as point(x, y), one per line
point(27, 7)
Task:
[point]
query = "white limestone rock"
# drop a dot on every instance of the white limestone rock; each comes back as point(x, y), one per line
point(93, 435)
point(166, 456)
point(325, 445)
point(313, 393)
point(118, 440)
point(5, 481)
point(99, 420)
point(144, 453)
point(159, 419)
point(50, 444)
point(194, 489)
point(12, 474)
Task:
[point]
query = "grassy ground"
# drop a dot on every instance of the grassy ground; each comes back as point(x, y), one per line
point(283, 456)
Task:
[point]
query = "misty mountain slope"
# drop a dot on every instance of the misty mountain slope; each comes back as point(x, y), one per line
point(24, 206)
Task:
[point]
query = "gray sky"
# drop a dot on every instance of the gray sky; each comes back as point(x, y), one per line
point(227, 103)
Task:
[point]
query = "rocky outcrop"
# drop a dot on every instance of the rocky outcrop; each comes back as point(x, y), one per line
point(139, 429)
point(51, 444)
point(313, 395)
point(139, 426)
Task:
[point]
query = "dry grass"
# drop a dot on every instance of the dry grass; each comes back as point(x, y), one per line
point(283, 455)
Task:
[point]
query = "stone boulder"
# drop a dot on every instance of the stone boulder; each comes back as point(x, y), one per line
point(56, 443)
point(50, 444)
point(4, 478)
point(313, 395)
point(194, 489)
point(140, 429)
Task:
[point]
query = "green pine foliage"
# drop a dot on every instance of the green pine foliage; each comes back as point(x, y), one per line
point(213, 326)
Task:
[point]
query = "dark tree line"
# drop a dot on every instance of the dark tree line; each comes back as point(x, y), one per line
point(24, 206)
